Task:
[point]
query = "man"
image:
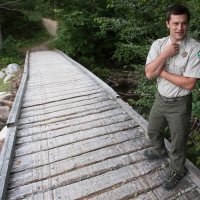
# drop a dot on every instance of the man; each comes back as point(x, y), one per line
point(175, 61)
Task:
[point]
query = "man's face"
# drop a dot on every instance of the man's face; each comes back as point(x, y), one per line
point(178, 26)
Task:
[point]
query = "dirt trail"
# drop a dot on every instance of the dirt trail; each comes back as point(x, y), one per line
point(51, 26)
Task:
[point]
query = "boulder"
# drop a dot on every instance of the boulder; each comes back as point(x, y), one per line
point(5, 96)
point(2, 93)
point(4, 113)
point(11, 69)
point(2, 75)
point(3, 133)
point(6, 103)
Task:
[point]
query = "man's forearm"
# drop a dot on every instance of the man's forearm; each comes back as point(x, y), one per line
point(178, 80)
point(155, 67)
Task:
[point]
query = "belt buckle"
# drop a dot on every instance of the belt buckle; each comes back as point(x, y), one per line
point(174, 99)
point(164, 99)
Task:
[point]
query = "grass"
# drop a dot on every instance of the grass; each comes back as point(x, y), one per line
point(5, 87)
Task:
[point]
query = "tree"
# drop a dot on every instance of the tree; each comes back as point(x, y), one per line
point(15, 16)
point(1, 39)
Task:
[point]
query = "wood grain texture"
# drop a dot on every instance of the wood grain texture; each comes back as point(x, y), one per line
point(76, 139)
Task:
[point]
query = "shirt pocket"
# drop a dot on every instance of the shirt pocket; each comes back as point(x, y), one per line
point(180, 64)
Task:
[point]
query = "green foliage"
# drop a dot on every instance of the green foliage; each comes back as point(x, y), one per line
point(196, 101)
point(193, 152)
point(145, 91)
point(194, 6)
point(4, 86)
point(80, 36)
point(74, 33)
point(10, 46)
point(130, 52)
point(196, 130)
point(5, 60)
point(103, 73)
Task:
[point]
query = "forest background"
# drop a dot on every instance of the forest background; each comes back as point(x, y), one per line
point(104, 36)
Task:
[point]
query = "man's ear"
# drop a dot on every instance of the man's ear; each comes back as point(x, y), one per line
point(167, 24)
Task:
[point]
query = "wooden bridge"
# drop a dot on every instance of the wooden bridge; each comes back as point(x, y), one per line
point(70, 136)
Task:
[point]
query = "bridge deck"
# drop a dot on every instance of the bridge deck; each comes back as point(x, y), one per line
point(75, 139)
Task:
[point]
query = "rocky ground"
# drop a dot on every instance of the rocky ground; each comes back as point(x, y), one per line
point(6, 101)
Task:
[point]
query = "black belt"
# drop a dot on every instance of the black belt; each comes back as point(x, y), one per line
point(173, 99)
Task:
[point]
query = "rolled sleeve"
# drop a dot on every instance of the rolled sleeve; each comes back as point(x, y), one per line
point(153, 53)
point(193, 65)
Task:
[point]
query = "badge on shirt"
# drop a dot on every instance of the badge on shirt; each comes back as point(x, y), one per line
point(184, 54)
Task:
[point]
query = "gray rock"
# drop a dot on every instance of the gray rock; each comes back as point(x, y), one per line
point(2, 75)
point(6, 103)
point(12, 69)
point(5, 96)
point(8, 78)
point(3, 133)
point(4, 113)
point(2, 93)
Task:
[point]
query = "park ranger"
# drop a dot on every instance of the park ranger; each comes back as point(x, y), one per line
point(175, 61)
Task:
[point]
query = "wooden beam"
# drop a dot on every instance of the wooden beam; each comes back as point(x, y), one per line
point(14, 113)
point(6, 160)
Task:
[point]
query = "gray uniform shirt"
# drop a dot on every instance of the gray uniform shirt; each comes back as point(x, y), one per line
point(185, 63)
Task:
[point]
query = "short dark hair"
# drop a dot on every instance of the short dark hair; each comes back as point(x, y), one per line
point(177, 10)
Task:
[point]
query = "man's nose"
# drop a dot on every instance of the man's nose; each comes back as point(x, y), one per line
point(180, 27)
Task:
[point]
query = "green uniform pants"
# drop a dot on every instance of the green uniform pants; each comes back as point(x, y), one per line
point(176, 115)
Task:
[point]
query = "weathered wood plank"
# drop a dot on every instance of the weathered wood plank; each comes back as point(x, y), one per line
point(76, 175)
point(184, 186)
point(78, 129)
point(51, 90)
point(75, 149)
point(68, 91)
point(191, 193)
point(108, 89)
point(66, 102)
point(15, 110)
point(131, 190)
point(84, 122)
point(68, 138)
point(69, 116)
point(78, 111)
point(118, 174)
point(123, 149)
point(62, 105)
point(64, 97)
point(51, 77)
point(145, 196)
point(6, 160)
